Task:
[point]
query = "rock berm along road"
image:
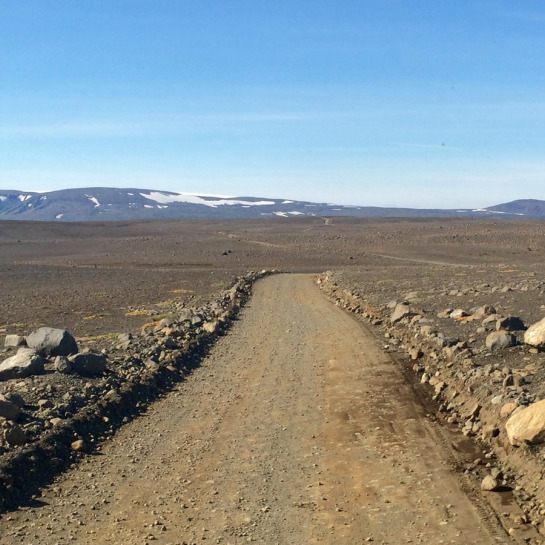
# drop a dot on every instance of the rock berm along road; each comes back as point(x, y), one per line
point(297, 428)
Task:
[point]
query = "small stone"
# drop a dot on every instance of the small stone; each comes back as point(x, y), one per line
point(45, 404)
point(415, 353)
point(14, 341)
point(507, 409)
point(63, 365)
point(79, 446)
point(458, 313)
point(402, 310)
point(490, 484)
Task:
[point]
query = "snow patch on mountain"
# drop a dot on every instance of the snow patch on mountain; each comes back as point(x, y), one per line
point(94, 200)
point(164, 198)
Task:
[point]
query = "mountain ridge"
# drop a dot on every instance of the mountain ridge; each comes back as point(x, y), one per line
point(105, 203)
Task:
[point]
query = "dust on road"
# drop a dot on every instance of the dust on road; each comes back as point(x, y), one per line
point(296, 429)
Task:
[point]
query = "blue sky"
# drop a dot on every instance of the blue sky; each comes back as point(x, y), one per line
point(382, 102)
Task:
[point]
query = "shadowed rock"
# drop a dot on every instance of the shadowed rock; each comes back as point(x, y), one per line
point(91, 363)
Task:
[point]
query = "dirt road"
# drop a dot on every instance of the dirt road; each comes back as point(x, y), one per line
point(297, 429)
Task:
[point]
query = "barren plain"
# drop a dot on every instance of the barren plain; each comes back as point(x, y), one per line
point(301, 422)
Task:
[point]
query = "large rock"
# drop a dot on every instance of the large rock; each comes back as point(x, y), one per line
point(535, 334)
point(500, 339)
point(48, 341)
point(24, 364)
point(527, 425)
point(91, 363)
point(401, 311)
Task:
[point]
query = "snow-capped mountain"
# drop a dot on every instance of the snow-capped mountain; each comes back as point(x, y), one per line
point(104, 203)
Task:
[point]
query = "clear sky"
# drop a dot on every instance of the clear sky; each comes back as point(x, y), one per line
point(436, 103)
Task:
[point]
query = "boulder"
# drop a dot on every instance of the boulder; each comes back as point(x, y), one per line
point(527, 425)
point(48, 341)
point(511, 323)
point(535, 334)
point(90, 363)
point(401, 311)
point(500, 339)
point(24, 364)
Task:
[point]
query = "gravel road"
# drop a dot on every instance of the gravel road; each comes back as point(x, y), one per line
point(297, 429)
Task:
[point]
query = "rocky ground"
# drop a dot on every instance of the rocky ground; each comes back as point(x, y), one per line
point(141, 294)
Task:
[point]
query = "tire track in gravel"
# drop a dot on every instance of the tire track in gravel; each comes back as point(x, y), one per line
point(296, 429)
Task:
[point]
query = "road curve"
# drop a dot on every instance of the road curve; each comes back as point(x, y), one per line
point(297, 429)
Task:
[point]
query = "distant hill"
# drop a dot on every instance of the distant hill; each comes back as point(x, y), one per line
point(105, 203)
point(530, 208)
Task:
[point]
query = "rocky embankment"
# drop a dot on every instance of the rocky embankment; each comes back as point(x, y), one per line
point(483, 367)
point(58, 399)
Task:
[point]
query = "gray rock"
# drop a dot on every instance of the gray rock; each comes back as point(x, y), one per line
point(511, 323)
point(535, 334)
point(91, 363)
point(500, 339)
point(24, 364)
point(14, 340)
point(401, 311)
point(197, 319)
point(9, 410)
point(48, 341)
point(63, 365)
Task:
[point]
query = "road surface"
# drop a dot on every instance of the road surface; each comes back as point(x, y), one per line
point(297, 429)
